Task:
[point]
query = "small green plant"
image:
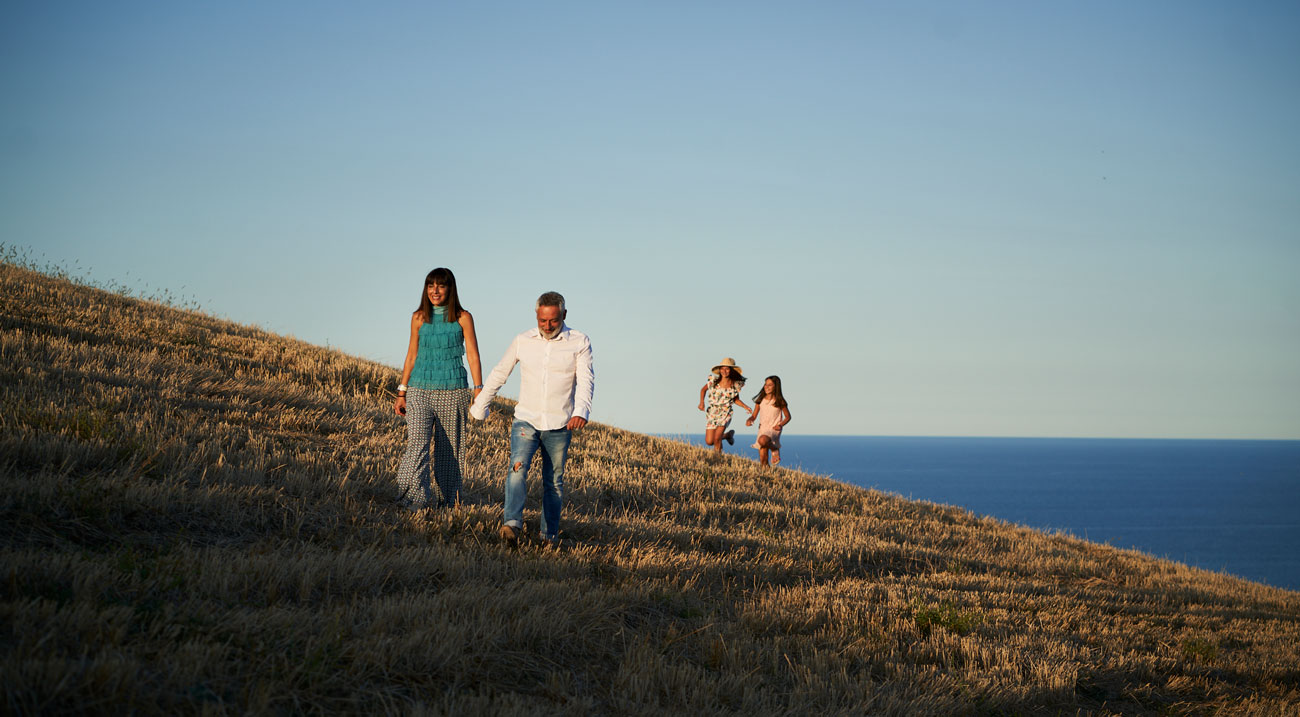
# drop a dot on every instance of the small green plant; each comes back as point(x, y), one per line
point(945, 615)
point(1199, 648)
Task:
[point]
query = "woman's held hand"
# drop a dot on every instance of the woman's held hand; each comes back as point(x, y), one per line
point(400, 406)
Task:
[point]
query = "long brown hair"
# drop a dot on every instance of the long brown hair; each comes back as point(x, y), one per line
point(778, 400)
point(442, 277)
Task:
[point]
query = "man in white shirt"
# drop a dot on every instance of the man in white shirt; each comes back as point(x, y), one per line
point(556, 384)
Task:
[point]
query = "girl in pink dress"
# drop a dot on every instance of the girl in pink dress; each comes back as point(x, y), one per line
point(772, 413)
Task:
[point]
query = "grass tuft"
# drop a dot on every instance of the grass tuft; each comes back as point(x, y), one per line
point(946, 615)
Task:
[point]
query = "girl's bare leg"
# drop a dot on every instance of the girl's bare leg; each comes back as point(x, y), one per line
point(713, 437)
point(763, 443)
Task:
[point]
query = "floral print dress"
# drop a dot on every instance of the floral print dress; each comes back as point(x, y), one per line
point(718, 409)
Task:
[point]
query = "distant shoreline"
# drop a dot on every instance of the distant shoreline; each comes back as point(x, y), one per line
point(1219, 504)
point(687, 435)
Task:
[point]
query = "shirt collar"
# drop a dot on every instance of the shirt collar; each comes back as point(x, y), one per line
point(563, 335)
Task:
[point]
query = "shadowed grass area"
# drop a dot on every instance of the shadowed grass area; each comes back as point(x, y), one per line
point(198, 516)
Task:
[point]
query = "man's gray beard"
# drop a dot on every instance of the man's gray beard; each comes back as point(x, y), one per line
point(553, 334)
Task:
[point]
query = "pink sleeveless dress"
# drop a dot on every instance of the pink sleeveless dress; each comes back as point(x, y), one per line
point(768, 415)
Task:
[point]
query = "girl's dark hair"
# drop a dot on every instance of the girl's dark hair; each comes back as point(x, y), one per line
point(442, 277)
point(778, 400)
point(736, 377)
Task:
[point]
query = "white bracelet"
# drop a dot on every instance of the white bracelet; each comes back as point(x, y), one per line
point(401, 387)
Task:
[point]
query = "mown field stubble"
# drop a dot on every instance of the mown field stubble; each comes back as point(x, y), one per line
point(198, 516)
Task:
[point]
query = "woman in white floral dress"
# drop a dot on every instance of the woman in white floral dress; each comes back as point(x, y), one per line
point(722, 389)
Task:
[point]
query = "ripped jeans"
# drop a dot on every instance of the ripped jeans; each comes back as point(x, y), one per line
point(524, 442)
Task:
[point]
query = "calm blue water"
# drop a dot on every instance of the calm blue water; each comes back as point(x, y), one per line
point(1231, 506)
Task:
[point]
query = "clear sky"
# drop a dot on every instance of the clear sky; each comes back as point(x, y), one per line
point(997, 219)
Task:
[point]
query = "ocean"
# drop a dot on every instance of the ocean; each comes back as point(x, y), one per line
point(1228, 506)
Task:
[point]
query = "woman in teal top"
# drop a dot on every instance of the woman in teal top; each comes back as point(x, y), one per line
point(434, 393)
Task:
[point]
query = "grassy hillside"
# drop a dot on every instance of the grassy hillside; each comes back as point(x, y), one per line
point(198, 516)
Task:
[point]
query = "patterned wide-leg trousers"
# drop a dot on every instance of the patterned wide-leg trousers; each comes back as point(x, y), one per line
point(437, 416)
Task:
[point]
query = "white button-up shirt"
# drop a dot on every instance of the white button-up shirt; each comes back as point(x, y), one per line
point(556, 382)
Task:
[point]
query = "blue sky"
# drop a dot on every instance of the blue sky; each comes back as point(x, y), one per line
point(1004, 219)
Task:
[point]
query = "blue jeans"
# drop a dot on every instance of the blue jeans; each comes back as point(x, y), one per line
point(524, 442)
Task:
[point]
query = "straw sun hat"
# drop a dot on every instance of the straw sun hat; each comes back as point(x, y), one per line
point(729, 363)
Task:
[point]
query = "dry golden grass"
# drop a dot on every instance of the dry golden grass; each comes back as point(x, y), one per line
point(198, 516)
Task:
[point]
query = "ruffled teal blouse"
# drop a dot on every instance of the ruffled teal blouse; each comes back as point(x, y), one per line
point(438, 363)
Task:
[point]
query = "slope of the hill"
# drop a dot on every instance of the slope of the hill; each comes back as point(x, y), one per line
point(199, 516)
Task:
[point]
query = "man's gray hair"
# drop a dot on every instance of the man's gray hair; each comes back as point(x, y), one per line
point(551, 298)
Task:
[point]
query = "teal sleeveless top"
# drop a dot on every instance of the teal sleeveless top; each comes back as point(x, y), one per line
point(438, 362)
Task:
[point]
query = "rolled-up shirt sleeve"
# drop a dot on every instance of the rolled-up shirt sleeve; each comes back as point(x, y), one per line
point(584, 381)
point(478, 410)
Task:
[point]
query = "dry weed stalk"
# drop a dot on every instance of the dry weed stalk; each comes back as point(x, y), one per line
point(198, 516)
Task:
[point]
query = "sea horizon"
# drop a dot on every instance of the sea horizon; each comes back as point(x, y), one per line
point(698, 436)
point(1226, 504)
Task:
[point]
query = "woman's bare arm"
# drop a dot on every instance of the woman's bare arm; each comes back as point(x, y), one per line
point(412, 348)
point(471, 351)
